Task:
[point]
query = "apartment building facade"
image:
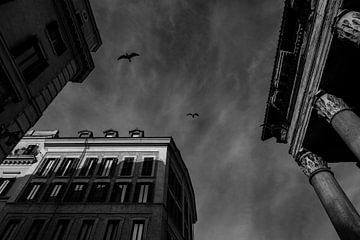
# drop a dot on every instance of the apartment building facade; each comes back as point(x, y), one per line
point(43, 45)
point(90, 187)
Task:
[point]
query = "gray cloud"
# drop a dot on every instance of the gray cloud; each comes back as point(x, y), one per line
point(216, 58)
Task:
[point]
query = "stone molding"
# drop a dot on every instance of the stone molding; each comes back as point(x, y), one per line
point(328, 105)
point(347, 26)
point(310, 163)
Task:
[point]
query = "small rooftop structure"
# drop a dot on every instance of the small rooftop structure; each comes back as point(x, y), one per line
point(137, 133)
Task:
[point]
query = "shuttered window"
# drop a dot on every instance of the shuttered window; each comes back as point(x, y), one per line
point(88, 168)
point(55, 38)
point(127, 166)
point(147, 167)
point(30, 58)
point(137, 231)
point(121, 192)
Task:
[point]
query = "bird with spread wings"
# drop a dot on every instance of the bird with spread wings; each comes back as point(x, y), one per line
point(193, 115)
point(128, 56)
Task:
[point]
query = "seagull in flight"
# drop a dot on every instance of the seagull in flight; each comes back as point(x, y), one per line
point(128, 56)
point(193, 115)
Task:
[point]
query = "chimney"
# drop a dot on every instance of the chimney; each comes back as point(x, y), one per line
point(85, 134)
point(111, 133)
point(136, 133)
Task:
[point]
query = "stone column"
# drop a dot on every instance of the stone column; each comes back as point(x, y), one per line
point(347, 26)
point(340, 210)
point(341, 117)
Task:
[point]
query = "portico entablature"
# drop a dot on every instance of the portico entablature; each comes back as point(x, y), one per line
point(315, 50)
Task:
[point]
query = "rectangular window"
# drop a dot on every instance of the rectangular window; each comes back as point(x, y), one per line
point(174, 210)
point(86, 229)
point(111, 230)
point(143, 192)
point(89, 167)
point(32, 192)
point(10, 231)
point(54, 192)
point(31, 150)
point(60, 230)
point(67, 167)
point(55, 38)
point(30, 58)
point(48, 167)
point(76, 192)
point(121, 192)
point(35, 230)
point(175, 186)
point(107, 167)
point(137, 231)
point(5, 185)
point(127, 166)
point(147, 167)
point(98, 192)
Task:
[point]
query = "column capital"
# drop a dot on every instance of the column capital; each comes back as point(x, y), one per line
point(310, 163)
point(347, 26)
point(328, 105)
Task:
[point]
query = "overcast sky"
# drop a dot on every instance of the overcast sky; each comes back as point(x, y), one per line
point(214, 58)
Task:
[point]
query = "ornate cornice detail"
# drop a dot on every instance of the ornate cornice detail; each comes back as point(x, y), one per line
point(348, 26)
point(328, 105)
point(310, 163)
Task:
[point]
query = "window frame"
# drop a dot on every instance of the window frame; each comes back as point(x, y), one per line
point(59, 37)
point(31, 149)
point(39, 232)
point(5, 189)
point(102, 167)
point(14, 232)
point(126, 195)
point(71, 191)
point(93, 228)
point(122, 166)
point(69, 169)
point(144, 228)
point(117, 230)
point(63, 233)
point(92, 196)
point(60, 193)
point(139, 195)
point(152, 166)
point(24, 197)
point(35, 68)
point(85, 166)
point(42, 166)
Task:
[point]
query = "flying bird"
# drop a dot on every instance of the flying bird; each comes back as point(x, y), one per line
point(193, 115)
point(128, 56)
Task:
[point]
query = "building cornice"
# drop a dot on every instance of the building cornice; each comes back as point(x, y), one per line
point(66, 12)
point(96, 30)
point(291, 36)
point(19, 160)
point(315, 55)
point(103, 141)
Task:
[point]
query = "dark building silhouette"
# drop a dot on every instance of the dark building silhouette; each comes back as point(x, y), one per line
point(313, 102)
point(86, 187)
point(43, 45)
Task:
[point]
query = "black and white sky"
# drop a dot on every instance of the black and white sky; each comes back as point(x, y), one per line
point(215, 58)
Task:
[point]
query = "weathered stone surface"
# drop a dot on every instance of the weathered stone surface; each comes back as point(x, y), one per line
point(328, 106)
point(348, 27)
point(310, 163)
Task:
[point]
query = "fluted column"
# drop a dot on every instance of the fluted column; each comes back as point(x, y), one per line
point(340, 210)
point(341, 117)
point(348, 26)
